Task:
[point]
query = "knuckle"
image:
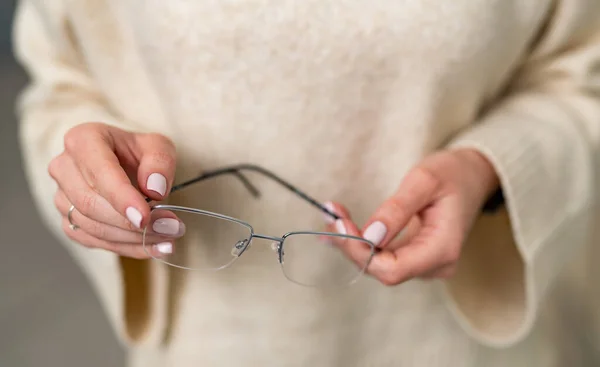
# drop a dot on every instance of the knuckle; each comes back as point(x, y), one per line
point(395, 208)
point(126, 224)
point(77, 135)
point(98, 229)
point(391, 278)
point(424, 174)
point(427, 179)
point(55, 166)
point(387, 281)
point(73, 137)
point(86, 203)
point(91, 176)
point(113, 195)
point(163, 158)
point(451, 255)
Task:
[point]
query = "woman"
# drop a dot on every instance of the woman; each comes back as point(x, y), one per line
point(404, 115)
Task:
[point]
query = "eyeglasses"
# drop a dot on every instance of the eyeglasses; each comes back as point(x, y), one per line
point(215, 241)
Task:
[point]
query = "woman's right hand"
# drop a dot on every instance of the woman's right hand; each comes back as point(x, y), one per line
point(97, 174)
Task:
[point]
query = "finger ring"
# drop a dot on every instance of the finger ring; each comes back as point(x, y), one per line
point(70, 219)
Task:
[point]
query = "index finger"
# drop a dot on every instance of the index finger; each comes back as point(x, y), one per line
point(437, 244)
point(93, 151)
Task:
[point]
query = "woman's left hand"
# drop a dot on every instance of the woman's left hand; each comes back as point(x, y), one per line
point(420, 230)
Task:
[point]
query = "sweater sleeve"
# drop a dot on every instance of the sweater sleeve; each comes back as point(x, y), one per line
point(543, 138)
point(62, 94)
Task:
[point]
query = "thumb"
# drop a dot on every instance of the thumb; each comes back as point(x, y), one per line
point(157, 162)
point(417, 191)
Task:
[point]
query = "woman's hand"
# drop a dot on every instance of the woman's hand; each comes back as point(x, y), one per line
point(101, 173)
point(419, 231)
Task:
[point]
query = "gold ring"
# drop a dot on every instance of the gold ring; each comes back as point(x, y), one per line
point(70, 219)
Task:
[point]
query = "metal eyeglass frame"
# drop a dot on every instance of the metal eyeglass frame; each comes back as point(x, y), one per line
point(242, 246)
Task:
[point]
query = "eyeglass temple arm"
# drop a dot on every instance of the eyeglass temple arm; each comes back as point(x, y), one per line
point(235, 170)
point(251, 188)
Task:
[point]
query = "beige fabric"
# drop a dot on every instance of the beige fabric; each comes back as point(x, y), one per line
point(341, 98)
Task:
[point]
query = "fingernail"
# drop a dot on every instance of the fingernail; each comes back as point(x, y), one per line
point(340, 227)
point(169, 226)
point(375, 233)
point(134, 216)
point(164, 247)
point(329, 206)
point(157, 183)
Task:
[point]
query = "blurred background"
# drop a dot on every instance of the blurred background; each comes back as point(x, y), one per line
point(48, 314)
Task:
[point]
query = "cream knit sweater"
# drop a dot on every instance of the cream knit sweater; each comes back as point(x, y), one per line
point(341, 98)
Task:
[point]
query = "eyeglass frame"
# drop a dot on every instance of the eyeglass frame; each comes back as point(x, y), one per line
point(235, 170)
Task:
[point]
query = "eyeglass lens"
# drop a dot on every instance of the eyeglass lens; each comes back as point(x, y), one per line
point(212, 242)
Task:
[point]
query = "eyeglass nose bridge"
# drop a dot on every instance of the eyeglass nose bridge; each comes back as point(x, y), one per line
point(241, 246)
point(265, 237)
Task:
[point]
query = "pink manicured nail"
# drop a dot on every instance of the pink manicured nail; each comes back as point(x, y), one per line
point(164, 247)
point(134, 216)
point(329, 206)
point(340, 227)
point(375, 233)
point(168, 226)
point(157, 183)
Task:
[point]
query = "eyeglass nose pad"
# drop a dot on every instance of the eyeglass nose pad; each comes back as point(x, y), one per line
point(239, 248)
point(276, 246)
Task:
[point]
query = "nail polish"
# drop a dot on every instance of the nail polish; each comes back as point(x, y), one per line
point(134, 216)
point(168, 226)
point(328, 219)
point(375, 233)
point(164, 248)
point(157, 183)
point(340, 227)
